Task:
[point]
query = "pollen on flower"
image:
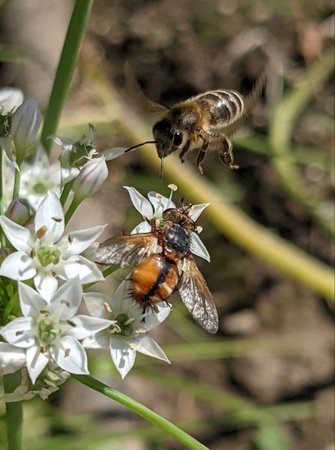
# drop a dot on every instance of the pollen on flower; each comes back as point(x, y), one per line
point(67, 352)
point(140, 331)
point(123, 326)
point(19, 333)
point(72, 324)
point(173, 187)
point(107, 307)
point(115, 328)
point(57, 219)
point(65, 302)
point(41, 232)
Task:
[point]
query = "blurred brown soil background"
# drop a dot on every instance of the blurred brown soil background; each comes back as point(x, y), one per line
point(178, 49)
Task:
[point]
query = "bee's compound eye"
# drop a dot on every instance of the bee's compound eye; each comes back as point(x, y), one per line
point(177, 138)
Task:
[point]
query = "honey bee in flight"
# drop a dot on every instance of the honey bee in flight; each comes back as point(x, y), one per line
point(201, 123)
point(162, 263)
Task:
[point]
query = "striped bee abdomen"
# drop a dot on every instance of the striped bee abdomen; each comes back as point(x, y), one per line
point(224, 107)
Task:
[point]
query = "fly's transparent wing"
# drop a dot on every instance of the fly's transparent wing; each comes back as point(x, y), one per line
point(197, 297)
point(127, 250)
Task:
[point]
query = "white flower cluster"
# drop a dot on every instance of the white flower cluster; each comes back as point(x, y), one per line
point(44, 269)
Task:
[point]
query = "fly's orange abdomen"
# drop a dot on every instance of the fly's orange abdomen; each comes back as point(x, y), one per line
point(154, 280)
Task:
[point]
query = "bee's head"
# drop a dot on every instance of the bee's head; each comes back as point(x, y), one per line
point(168, 139)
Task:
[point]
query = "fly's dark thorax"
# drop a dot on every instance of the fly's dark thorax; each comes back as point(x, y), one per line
point(175, 241)
point(224, 107)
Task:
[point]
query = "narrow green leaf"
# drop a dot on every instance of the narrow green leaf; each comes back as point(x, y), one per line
point(269, 437)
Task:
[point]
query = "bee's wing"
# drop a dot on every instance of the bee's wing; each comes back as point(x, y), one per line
point(143, 103)
point(127, 250)
point(197, 297)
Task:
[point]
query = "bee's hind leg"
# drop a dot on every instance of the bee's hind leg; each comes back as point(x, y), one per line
point(200, 157)
point(226, 153)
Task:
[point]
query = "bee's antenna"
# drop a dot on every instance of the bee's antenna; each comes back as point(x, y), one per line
point(139, 145)
point(161, 168)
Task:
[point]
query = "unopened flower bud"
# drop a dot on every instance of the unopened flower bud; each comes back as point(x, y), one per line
point(90, 178)
point(18, 211)
point(25, 125)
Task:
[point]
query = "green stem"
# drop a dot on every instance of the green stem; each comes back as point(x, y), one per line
point(11, 305)
point(14, 415)
point(75, 32)
point(72, 208)
point(1, 181)
point(280, 136)
point(2, 235)
point(142, 411)
point(17, 178)
point(109, 271)
point(66, 191)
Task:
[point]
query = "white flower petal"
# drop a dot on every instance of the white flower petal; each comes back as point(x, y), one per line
point(65, 142)
point(19, 332)
point(50, 215)
point(120, 301)
point(68, 174)
point(198, 248)
point(36, 362)
point(160, 203)
point(95, 304)
point(10, 99)
point(143, 227)
point(11, 358)
point(86, 270)
point(85, 326)
point(142, 205)
point(18, 266)
point(7, 144)
point(30, 301)
point(80, 240)
point(70, 356)
point(19, 236)
point(112, 153)
point(196, 210)
point(46, 284)
point(153, 319)
point(146, 345)
point(122, 355)
point(99, 340)
point(66, 300)
point(38, 177)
